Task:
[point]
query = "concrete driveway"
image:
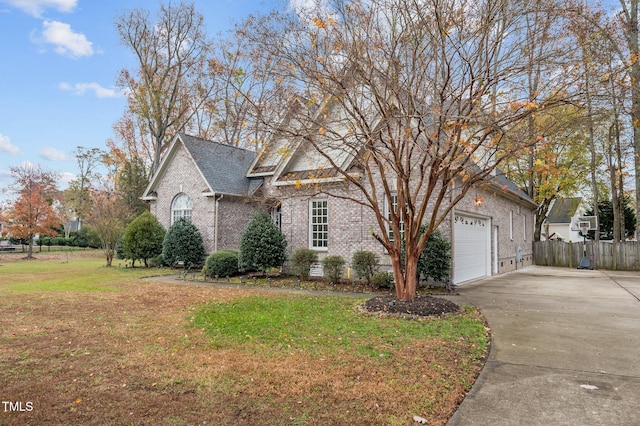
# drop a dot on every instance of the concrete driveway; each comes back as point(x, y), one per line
point(565, 349)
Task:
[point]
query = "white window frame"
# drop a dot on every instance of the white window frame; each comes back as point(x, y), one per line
point(524, 226)
point(319, 224)
point(387, 212)
point(511, 225)
point(276, 216)
point(181, 207)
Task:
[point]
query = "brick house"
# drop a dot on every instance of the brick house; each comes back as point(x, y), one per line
point(218, 187)
point(206, 183)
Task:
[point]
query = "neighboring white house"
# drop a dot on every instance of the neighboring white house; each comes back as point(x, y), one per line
point(563, 212)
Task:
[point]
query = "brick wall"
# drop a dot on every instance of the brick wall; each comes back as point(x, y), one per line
point(234, 215)
point(350, 224)
point(497, 207)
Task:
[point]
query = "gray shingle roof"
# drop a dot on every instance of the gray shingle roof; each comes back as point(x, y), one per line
point(563, 210)
point(502, 180)
point(223, 166)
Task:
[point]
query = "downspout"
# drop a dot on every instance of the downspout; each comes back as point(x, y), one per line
point(215, 223)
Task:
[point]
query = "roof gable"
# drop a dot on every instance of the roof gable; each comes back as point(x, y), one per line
point(223, 167)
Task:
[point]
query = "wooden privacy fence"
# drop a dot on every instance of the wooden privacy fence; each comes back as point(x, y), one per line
point(604, 255)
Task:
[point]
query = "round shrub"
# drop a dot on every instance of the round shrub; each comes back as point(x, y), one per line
point(183, 243)
point(333, 266)
point(143, 238)
point(365, 265)
point(263, 245)
point(222, 264)
point(301, 261)
point(382, 280)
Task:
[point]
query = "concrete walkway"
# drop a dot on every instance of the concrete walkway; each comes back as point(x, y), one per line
point(565, 351)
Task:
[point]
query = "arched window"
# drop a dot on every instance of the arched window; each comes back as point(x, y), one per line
point(181, 207)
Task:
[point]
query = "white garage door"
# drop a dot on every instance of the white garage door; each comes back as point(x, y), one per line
point(470, 248)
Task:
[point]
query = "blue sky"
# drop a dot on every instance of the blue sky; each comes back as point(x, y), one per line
point(61, 59)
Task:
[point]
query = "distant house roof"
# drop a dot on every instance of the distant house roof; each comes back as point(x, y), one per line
point(564, 209)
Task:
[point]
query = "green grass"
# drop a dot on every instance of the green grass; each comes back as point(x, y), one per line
point(323, 325)
point(77, 275)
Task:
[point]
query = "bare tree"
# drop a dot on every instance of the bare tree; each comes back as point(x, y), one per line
point(410, 102)
point(174, 78)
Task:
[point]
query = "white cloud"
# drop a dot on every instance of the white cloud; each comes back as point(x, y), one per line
point(36, 7)
point(7, 146)
point(81, 88)
point(66, 42)
point(65, 178)
point(53, 154)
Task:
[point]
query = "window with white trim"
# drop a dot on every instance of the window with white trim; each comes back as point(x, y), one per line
point(524, 222)
point(511, 224)
point(181, 208)
point(276, 216)
point(318, 224)
point(387, 212)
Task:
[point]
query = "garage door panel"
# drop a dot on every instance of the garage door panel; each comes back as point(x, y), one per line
point(470, 247)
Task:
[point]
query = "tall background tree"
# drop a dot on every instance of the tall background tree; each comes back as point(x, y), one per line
point(77, 197)
point(630, 57)
point(416, 95)
point(173, 78)
point(33, 212)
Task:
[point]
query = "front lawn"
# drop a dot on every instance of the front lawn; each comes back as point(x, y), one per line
point(85, 344)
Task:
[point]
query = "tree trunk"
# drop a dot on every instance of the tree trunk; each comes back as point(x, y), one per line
point(406, 280)
point(614, 190)
point(592, 147)
point(632, 38)
point(30, 249)
point(540, 215)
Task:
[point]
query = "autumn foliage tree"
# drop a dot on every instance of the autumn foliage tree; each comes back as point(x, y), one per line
point(408, 103)
point(33, 212)
point(556, 165)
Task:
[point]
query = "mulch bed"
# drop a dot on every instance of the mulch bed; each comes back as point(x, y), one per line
point(421, 306)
